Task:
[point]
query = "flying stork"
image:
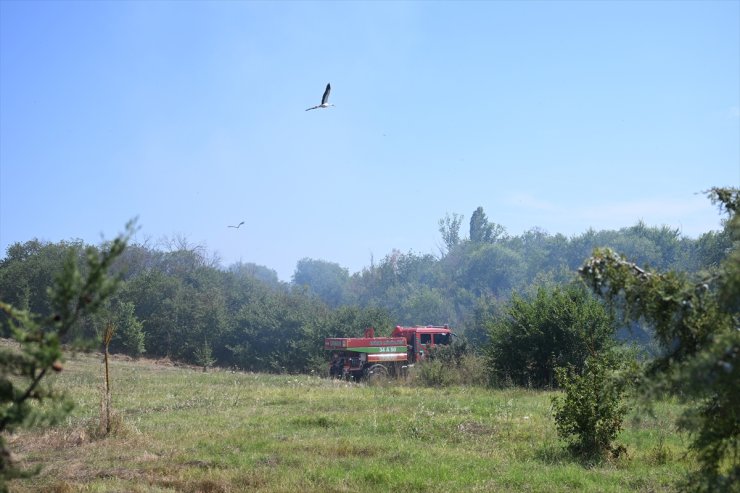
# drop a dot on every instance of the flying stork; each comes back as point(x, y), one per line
point(238, 225)
point(324, 99)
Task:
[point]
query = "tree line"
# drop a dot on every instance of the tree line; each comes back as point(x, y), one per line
point(178, 302)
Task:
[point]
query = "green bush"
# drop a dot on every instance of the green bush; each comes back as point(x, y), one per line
point(556, 327)
point(455, 364)
point(590, 414)
point(434, 373)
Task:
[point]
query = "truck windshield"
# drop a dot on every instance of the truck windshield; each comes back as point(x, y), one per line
point(441, 338)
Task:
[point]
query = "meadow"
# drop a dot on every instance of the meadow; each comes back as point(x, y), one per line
point(185, 430)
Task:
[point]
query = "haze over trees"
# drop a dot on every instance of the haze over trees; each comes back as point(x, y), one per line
point(177, 298)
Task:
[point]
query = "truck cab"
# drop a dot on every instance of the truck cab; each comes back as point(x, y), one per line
point(421, 339)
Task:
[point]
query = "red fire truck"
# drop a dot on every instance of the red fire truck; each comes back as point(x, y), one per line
point(372, 357)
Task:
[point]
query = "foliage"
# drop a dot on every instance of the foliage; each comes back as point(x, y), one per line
point(28, 271)
point(590, 415)
point(204, 356)
point(697, 324)
point(449, 228)
point(558, 326)
point(454, 364)
point(325, 279)
point(492, 269)
point(129, 337)
point(482, 230)
point(433, 373)
point(74, 294)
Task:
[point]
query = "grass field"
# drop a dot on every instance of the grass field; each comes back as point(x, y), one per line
point(180, 429)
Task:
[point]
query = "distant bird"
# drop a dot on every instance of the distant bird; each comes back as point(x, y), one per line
point(238, 225)
point(324, 99)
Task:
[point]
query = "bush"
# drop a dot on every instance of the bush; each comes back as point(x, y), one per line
point(455, 364)
point(589, 416)
point(434, 373)
point(557, 327)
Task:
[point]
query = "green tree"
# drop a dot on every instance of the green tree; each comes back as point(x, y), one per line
point(73, 294)
point(204, 356)
point(557, 327)
point(153, 293)
point(248, 269)
point(449, 228)
point(484, 231)
point(29, 269)
point(426, 306)
point(129, 335)
point(697, 323)
point(327, 280)
point(492, 269)
point(480, 228)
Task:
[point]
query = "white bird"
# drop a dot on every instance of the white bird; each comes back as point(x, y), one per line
point(324, 99)
point(238, 225)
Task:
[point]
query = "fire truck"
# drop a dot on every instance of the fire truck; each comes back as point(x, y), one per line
point(371, 357)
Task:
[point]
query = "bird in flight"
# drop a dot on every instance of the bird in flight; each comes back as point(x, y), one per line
point(238, 225)
point(324, 99)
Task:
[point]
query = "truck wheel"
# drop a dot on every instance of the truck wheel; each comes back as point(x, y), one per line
point(376, 374)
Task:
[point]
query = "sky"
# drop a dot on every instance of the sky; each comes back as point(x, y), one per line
point(189, 116)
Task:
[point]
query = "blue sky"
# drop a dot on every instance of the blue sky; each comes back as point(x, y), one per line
point(190, 116)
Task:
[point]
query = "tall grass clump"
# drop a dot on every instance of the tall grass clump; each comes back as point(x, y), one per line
point(456, 364)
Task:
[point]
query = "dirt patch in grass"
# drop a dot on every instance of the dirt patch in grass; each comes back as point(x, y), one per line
point(269, 461)
point(475, 429)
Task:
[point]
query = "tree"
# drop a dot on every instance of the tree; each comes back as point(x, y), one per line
point(204, 355)
point(492, 269)
point(74, 294)
point(249, 269)
point(449, 228)
point(557, 327)
point(425, 306)
point(480, 228)
point(327, 280)
point(129, 335)
point(697, 324)
point(483, 231)
point(152, 294)
point(29, 269)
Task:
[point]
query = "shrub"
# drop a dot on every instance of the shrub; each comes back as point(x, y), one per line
point(557, 327)
point(455, 364)
point(589, 416)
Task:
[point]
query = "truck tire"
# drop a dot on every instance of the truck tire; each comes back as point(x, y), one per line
point(376, 373)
